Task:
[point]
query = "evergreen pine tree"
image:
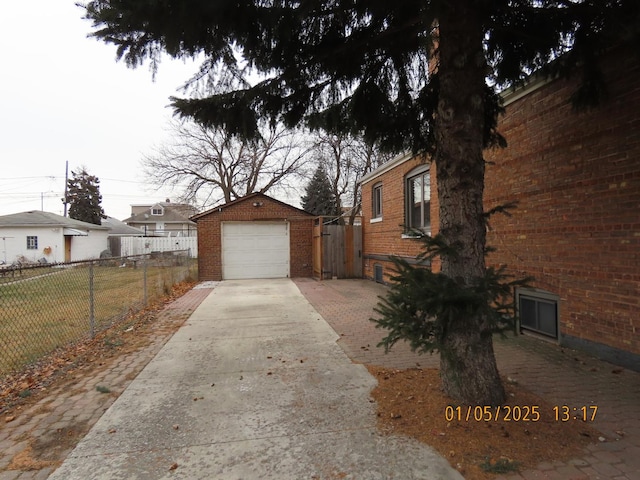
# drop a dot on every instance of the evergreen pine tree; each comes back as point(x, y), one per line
point(319, 198)
point(418, 75)
point(83, 197)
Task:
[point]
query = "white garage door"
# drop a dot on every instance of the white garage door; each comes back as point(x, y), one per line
point(255, 250)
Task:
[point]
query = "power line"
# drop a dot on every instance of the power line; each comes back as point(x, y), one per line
point(55, 178)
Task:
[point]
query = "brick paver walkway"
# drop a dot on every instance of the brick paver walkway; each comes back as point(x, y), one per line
point(560, 376)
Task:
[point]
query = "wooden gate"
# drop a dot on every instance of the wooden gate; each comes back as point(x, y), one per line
point(317, 248)
point(337, 250)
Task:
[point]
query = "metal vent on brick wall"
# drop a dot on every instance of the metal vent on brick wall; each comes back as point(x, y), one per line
point(377, 273)
point(538, 312)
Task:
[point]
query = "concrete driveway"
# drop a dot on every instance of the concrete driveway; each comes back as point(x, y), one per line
point(253, 386)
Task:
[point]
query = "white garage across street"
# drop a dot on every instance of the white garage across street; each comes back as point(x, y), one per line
point(255, 250)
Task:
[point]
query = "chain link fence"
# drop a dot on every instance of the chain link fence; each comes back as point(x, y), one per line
point(44, 307)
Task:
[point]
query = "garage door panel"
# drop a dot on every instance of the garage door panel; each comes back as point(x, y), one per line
point(261, 258)
point(256, 229)
point(257, 271)
point(255, 250)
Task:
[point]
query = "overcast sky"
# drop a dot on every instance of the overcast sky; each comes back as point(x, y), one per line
point(65, 98)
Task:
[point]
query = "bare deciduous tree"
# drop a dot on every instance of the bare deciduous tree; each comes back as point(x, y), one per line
point(346, 160)
point(208, 165)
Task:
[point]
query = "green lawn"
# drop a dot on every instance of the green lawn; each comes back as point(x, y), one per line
point(42, 311)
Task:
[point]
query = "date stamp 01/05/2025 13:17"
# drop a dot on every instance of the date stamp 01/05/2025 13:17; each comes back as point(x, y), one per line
point(524, 413)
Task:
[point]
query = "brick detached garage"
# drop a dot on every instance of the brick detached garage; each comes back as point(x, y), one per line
point(254, 237)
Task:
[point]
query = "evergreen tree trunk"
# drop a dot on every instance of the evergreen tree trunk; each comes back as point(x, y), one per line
point(467, 362)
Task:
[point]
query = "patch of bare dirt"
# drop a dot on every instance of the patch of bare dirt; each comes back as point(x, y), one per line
point(26, 461)
point(56, 444)
point(480, 444)
point(50, 449)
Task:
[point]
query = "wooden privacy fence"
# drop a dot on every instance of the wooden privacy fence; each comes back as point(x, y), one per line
point(337, 250)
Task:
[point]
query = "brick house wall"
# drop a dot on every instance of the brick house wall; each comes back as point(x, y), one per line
point(210, 233)
point(576, 178)
point(384, 238)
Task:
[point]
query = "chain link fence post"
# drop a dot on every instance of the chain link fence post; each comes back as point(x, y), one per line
point(92, 309)
point(144, 282)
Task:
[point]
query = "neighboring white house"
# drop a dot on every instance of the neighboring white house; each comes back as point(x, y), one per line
point(36, 235)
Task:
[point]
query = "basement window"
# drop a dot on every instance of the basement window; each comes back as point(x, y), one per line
point(538, 312)
point(378, 274)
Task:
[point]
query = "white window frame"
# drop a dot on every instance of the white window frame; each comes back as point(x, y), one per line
point(376, 203)
point(157, 211)
point(424, 173)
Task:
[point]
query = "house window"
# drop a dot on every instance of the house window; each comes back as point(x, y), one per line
point(376, 201)
point(418, 198)
point(32, 242)
point(538, 312)
point(156, 211)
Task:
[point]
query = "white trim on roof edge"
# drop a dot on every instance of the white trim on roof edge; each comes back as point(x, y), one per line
point(385, 167)
point(535, 82)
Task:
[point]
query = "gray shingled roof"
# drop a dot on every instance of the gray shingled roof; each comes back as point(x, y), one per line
point(120, 228)
point(173, 213)
point(36, 218)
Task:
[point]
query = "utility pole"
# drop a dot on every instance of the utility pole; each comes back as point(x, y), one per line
point(66, 181)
